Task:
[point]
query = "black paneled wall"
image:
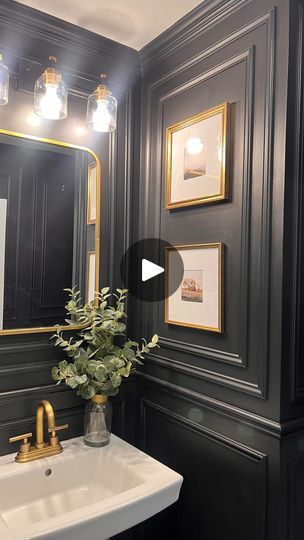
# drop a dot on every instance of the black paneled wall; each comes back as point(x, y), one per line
point(225, 410)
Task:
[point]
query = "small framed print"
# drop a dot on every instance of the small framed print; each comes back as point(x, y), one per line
point(197, 302)
point(90, 276)
point(196, 151)
point(92, 187)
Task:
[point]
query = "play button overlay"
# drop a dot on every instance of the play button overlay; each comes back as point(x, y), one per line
point(149, 270)
point(143, 270)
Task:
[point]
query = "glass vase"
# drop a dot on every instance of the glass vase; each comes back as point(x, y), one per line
point(97, 421)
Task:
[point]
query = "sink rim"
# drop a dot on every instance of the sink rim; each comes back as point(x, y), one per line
point(157, 479)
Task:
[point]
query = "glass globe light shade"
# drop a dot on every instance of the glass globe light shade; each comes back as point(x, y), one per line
point(102, 110)
point(50, 94)
point(4, 82)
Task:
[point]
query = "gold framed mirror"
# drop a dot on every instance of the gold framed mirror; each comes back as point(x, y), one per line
point(48, 188)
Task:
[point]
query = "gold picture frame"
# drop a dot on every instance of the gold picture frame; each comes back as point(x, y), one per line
point(48, 329)
point(199, 291)
point(191, 178)
point(92, 182)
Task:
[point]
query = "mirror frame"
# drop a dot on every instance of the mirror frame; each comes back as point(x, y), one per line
point(49, 329)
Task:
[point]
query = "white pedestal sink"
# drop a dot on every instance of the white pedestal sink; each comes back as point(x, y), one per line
point(84, 493)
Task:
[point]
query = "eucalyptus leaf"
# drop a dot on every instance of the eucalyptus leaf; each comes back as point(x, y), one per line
point(86, 391)
point(55, 373)
point(81, 361)
point(63, 365)
point(105, 290)
point(81, 379)
point(98, 360)
point(72, 382)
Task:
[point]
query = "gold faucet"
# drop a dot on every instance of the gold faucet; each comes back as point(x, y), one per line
point(41, 449)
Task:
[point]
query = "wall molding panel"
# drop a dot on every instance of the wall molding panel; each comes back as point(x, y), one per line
point(160, 91)
point(251, 453)
point(224, 443)
point(200, 350)
point(247, 57)
point(204, 374)
point(261, 423)
point(240, 383)
point(216, 47)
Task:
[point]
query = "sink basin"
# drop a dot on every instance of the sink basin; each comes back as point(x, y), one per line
point(83, 493)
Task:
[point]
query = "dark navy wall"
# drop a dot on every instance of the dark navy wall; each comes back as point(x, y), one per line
point(226, 411)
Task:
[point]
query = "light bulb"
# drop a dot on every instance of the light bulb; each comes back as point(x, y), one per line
point(50, 94)
point(101, 117)
point(102, 109)
point(50, 104)
point(194, 145)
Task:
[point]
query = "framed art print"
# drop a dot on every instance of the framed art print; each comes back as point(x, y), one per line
point(197, 302)
point(196, 159)
point(92, 185)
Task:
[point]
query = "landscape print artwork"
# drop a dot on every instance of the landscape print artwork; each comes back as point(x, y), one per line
point(195, 164)
point(196, 150)
point(192, 286)
point(196, 302)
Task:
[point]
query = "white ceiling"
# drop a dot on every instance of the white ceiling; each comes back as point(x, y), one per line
point(131, 22)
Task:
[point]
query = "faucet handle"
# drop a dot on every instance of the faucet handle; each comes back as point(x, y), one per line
point(25, 446)
point(54, 429)
point(54, 441)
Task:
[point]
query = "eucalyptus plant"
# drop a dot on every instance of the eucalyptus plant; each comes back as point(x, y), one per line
point(100, 357)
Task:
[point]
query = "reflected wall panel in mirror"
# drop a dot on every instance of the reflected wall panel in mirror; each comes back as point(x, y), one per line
point(49, 230)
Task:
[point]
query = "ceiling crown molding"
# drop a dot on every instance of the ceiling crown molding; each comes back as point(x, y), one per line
point(31, 22)
point(202, 18)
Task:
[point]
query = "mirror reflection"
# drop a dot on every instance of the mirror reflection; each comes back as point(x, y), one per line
point(48, 216)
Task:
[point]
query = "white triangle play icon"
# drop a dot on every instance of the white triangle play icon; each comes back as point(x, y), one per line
point(149, 270)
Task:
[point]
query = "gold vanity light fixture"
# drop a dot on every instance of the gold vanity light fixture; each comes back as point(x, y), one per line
point(102, 109)
point(50, 93)
point(4, 82)
point(41, 449)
